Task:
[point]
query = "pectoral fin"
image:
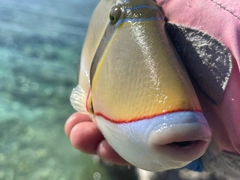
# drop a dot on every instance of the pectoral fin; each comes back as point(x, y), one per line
point(78, 99)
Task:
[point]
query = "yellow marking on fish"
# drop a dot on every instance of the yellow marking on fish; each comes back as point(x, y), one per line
point(136, 73)
point(138, 76)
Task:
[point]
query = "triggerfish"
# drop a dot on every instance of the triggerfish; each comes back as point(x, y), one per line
point(135, 88)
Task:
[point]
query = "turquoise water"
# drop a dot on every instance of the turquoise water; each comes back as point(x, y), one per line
point(40, 45)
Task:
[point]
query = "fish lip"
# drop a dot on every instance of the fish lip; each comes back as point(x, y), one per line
point(184, 154)
point(198, 134)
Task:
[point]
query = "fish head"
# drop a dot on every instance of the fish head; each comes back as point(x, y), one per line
point(138, 91)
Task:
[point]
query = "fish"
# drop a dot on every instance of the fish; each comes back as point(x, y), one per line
point(133, 85)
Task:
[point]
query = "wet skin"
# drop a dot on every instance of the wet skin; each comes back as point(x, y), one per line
point(223, 120)
point(81, 130)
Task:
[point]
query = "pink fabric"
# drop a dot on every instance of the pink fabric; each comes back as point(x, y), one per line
point(220, 19)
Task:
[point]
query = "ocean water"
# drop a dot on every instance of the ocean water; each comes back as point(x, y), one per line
point(40, 45)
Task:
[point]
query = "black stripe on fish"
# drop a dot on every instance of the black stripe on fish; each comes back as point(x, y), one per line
point(100, 50)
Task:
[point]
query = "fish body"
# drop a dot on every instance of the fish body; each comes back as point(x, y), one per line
point(133, 85)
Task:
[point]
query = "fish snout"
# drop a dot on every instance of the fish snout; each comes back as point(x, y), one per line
point(164, 142)
point(184, 140)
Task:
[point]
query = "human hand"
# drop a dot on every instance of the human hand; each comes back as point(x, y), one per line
point(86, 137)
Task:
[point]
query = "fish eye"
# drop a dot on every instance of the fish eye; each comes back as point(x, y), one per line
point(115, 14)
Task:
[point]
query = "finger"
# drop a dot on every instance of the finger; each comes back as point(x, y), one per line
point(85, 136)
point(107, 153)
point(73, 120)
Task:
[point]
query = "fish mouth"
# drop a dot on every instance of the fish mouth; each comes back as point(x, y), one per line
point(181, 142)
point(189, 152)
point(168, 141)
